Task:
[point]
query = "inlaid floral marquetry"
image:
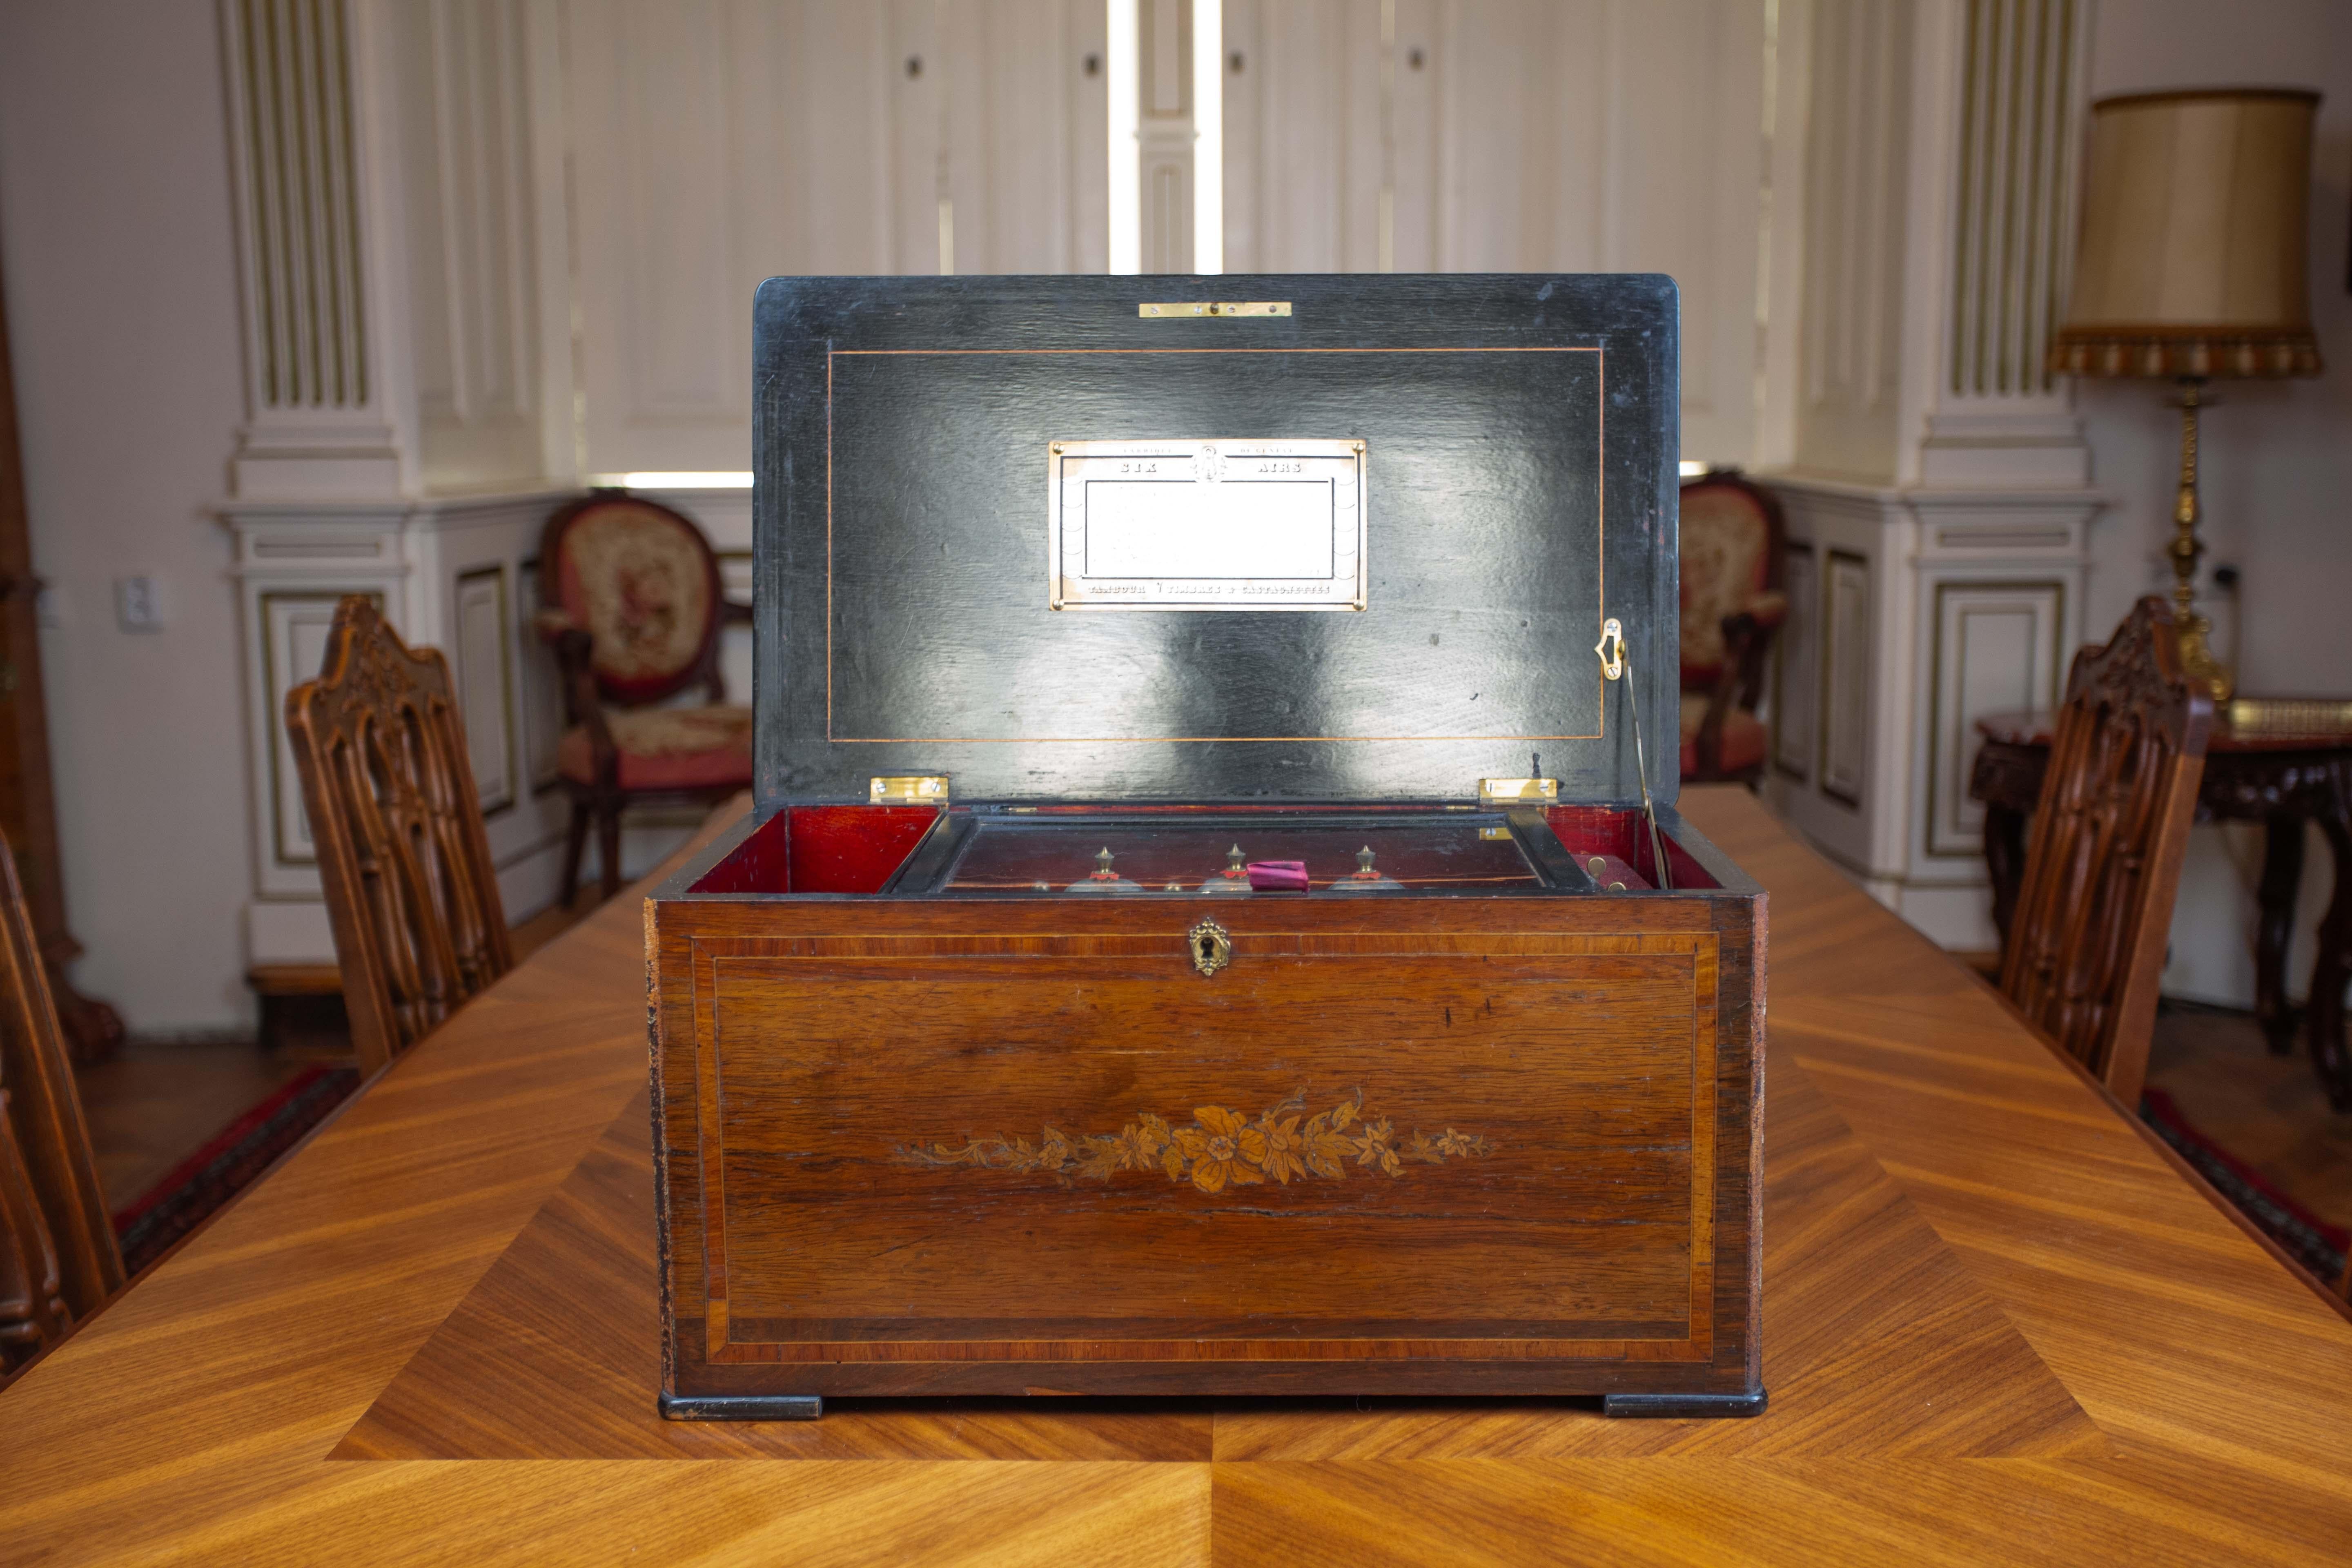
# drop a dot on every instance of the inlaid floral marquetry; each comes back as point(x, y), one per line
point(1220, 1148)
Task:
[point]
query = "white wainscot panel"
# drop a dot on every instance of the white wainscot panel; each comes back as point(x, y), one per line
point(648, 101)
point(1514, 136)
point(1847, 686)
point(464, 154)
point(1797, 681)
point(485, 677)
point(542, 684)
point(719, 143)
point(445, 574)
point(294, 625)
point(1997, 650)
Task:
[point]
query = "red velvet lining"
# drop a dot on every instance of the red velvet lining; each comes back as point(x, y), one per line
point(759, 864)
point(1320, 808)
point(822, 849)
point(1588, 830)
point(856, 848)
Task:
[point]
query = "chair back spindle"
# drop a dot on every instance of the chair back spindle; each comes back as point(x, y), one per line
point(411, 891)
point(2087, 942)
point(59, 1261)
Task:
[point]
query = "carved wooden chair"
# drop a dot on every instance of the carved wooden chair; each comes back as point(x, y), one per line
point(634, 614)
point(2086, 944)
point(411, 892)
point(1734, 545)
point(59, 1262)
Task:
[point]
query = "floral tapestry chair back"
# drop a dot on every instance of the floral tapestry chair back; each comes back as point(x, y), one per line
point(641, 581)
point(1733, 548)
point(634, 611)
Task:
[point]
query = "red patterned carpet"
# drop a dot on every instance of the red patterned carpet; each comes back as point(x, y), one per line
point(2310, 1241)
point(194, 1189)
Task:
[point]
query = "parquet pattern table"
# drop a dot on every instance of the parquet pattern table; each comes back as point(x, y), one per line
point(1999, 1327)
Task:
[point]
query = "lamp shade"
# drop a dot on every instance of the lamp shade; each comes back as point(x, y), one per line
point(2193, 250)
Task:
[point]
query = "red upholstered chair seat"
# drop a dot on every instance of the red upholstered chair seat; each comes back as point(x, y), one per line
point(667, 748)
point(1743, 736)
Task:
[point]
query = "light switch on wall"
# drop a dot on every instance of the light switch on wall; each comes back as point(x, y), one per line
point(139, 603)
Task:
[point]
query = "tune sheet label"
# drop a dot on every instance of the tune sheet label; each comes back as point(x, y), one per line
point(1206, 524)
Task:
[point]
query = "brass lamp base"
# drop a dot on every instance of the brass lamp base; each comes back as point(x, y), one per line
point(2197, 661)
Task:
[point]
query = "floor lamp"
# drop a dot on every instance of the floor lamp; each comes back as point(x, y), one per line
point(2192, 265)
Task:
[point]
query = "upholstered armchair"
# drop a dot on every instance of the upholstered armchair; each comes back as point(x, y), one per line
point(1733, 547)
point(634, 611)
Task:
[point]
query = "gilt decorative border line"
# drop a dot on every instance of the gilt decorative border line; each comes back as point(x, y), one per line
point(1600, 499)
point(1220, 1149)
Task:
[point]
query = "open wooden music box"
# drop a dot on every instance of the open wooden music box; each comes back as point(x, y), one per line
point(1200, 933)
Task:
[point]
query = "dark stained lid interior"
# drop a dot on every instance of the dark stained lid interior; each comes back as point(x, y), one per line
point(1521, 438)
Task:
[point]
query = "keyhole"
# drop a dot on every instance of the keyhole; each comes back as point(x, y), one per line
point(914, 67)
point(1208, 948)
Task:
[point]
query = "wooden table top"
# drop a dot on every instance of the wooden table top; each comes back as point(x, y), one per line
point(1998, 1326)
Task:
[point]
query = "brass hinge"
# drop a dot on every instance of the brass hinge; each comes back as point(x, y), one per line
point(1518, 792)
point(907, 789)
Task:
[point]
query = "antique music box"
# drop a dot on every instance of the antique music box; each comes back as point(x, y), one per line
point(1200, 932)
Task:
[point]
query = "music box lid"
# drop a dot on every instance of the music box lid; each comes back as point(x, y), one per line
point(1309, 538)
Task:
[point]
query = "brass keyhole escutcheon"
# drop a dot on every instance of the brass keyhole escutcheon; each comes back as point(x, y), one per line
point(1212, 949)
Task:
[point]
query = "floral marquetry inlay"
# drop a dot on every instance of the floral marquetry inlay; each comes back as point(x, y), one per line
point(1220, 1148)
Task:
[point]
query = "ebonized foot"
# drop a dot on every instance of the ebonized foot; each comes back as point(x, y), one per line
point(742, 1406)
point(1682, 1404)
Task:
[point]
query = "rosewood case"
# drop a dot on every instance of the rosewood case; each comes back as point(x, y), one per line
point(980, 1065)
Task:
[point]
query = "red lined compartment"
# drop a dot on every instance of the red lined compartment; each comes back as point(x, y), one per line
point(1621, 836)
point(856, 848)
point(822, 849)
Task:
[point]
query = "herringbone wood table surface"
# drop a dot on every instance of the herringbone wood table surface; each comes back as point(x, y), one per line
point(1998, 1327)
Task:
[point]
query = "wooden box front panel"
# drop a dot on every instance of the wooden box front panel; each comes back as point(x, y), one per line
point(1034, 1144)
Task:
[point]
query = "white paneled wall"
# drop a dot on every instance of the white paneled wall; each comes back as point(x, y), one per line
point(1939, 502)
point(466, 199)
point(1164, 128)
point(1857, 175)
point(1027, 129)
point(2023, 86)
point(1515, 136)
point(715, 143)
point(321, 405)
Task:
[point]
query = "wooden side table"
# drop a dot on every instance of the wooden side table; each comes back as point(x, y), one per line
point(2279, 780)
